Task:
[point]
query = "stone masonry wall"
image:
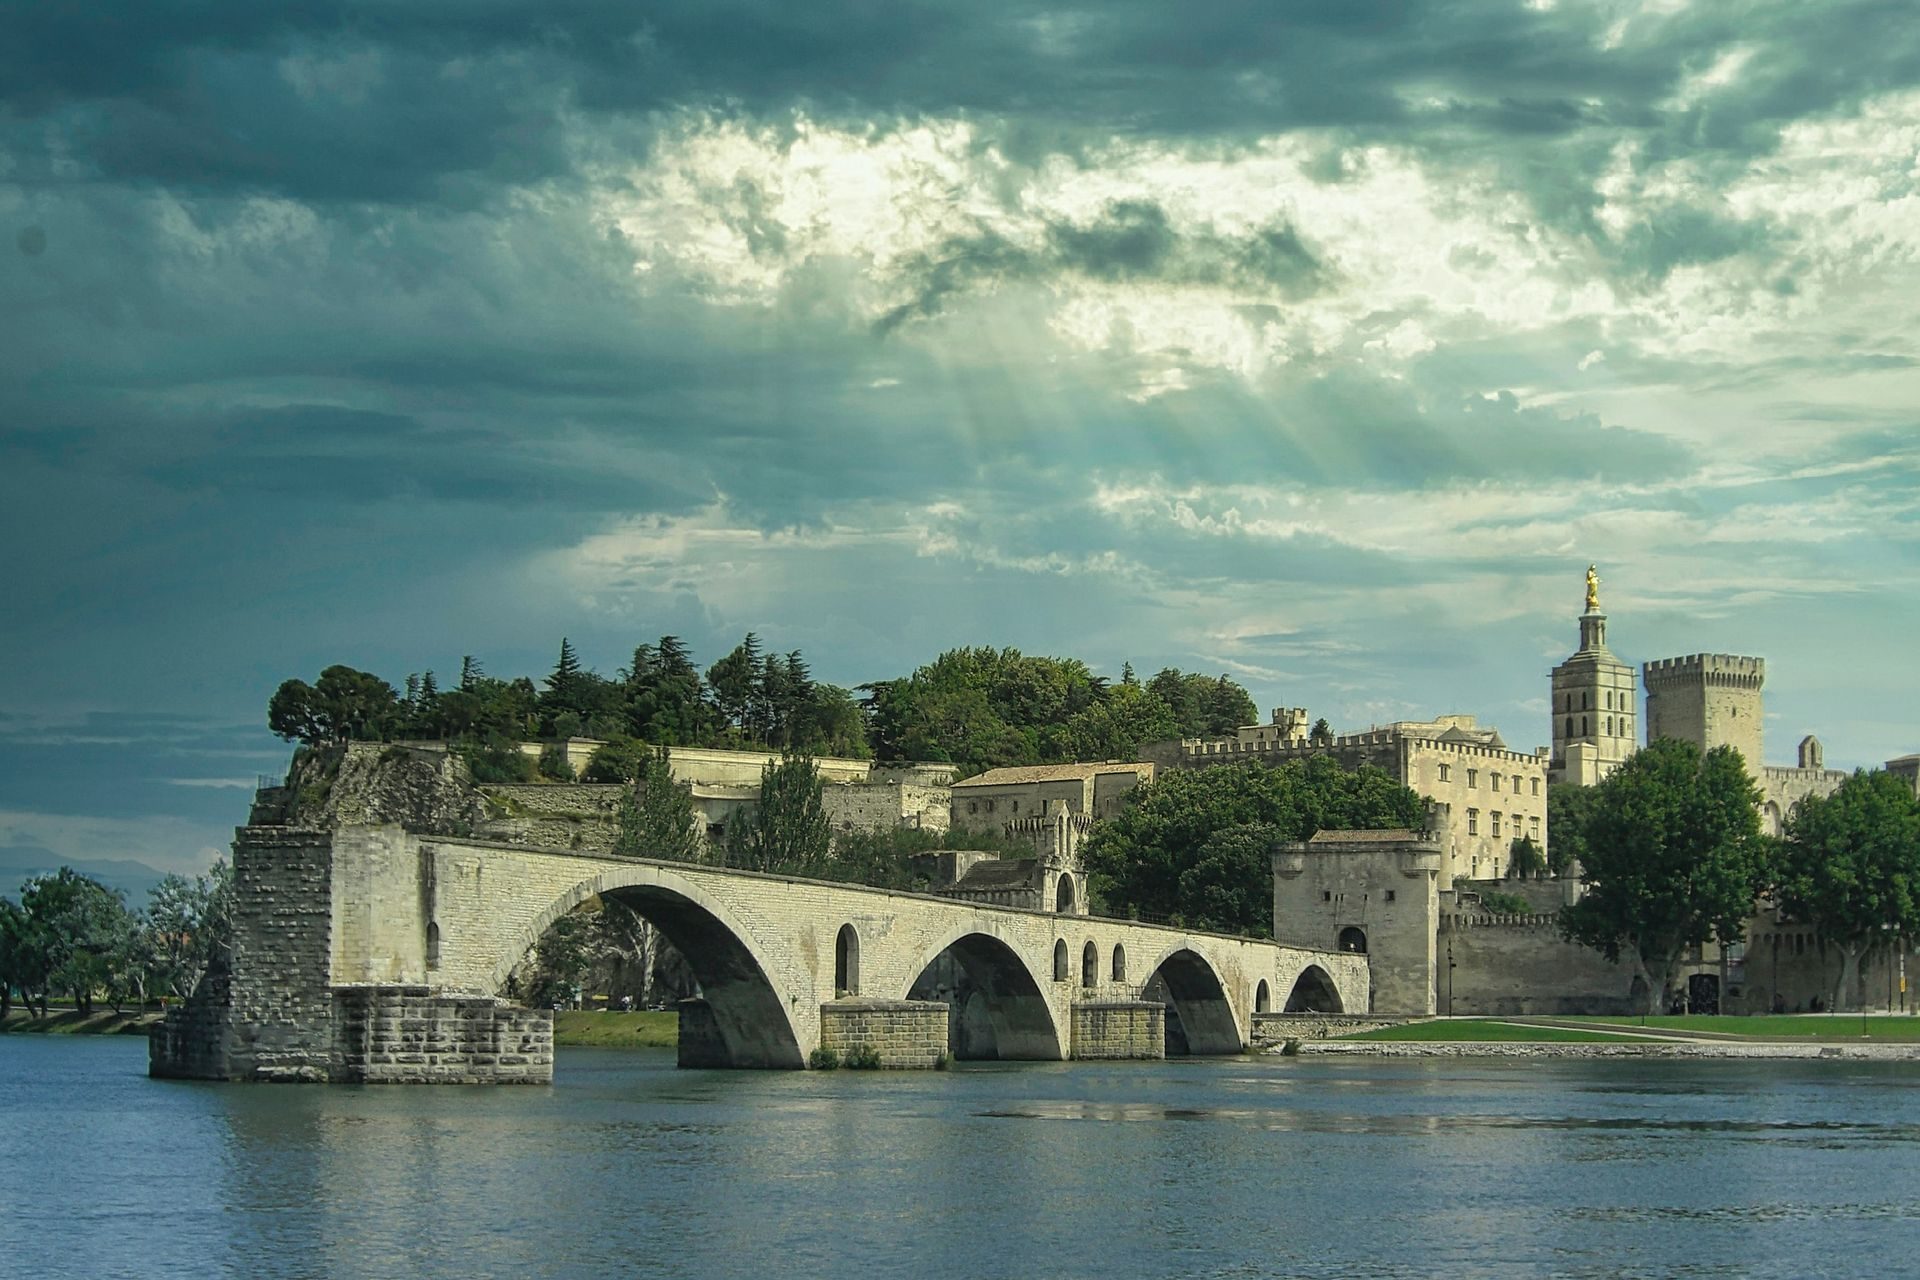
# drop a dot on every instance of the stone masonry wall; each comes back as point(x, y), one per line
point(282, 999)
point(1513, 965)
point(1119, 1029)
point(905, 1033)
point(407, 1035)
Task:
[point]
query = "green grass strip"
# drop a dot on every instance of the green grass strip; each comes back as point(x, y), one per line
point(643, 1029)
point(1489, 1031)
point(1779, 1026)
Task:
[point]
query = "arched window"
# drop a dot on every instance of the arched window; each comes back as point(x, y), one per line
point(433, 944)
point(1352, 939)
point(1119, 963)
point(1262, 998)
point(1063, 895)
point(1089, 964)
point(846, 962)
point(1569, 726)
point(1060, 960)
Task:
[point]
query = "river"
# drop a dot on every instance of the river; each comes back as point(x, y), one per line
point(1231, 1168)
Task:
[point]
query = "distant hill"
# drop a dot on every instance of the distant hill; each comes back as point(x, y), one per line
point(21, 862)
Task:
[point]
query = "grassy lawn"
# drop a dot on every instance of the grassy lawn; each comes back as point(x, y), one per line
point(645, 1029)
point(1489, 1031)
point(1780, 1026)
point(65, 1022)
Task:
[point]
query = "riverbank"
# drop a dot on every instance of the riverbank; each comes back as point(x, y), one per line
point(70, 1022)
point(1864, 1050)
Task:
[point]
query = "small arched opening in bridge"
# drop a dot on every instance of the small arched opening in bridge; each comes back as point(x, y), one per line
point(1200, 1019)
point(736, 1017)
point(1263, 998)
point(1089, 964)
point(846, 962)
point(1353, 938)
point(1314, 992)
point(1119, 969)
point(1062, 970)
point(995, 1007)
point(1063, 895)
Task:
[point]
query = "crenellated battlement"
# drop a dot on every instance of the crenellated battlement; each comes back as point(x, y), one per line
point(1726, 670)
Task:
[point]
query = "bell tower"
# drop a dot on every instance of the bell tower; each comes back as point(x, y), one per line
point(1594, 702)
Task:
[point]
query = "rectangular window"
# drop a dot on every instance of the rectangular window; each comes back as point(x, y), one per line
point(1496, 824)
point(1494, 781)
point(1473, 777)
point(1473, 822)
point(1536, 786)
point(1443, 773)
point(1535, 824)
point(1326, 895)
point(1389, 895)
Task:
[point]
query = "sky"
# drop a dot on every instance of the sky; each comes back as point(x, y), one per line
point(1323, 344)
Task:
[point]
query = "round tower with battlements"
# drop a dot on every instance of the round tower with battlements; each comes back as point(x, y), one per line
point(1595, 700)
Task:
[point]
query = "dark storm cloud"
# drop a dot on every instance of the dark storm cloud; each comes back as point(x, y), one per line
point(404, 100)
point(1128, 241)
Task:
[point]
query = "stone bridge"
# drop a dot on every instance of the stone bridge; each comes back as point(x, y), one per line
point(370, 953)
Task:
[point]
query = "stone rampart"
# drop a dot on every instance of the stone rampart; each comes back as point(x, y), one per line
point(1278, 1028)
point(1503, 966)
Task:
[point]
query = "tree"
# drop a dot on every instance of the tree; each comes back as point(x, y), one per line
point(76, 924)
point(1568, 808)
point(1850, 867)
point(1117, 726)
point(657, 818)
point(1183, 848)
point(189, 927)
point(16, 962)
point(1525, 859)
point(618, 759)
point(1673, 858)
point(1203, 706)
point(735, 682)
point(787, 831)
point(344, 705)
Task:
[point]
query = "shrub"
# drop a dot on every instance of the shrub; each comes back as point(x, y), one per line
point(823, 1059)
point(497, 760)
point(863, 1057)
point(1496, 903)
point(554, 763)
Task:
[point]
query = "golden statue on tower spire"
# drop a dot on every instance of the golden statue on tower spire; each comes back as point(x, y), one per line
point(1593, 589)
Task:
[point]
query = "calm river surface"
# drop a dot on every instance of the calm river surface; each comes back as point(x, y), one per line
point(1241, 1167)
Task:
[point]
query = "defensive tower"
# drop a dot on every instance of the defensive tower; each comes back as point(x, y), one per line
point(1594, 701)
point(1710, 700)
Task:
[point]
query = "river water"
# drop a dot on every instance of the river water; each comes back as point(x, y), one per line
point(1233, 1168)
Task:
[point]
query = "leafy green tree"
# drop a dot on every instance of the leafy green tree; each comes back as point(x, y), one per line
point(562, 959)
point(1568, 808)
point(77, 924)
point(344, 705)
point(17, 966)
point(1117, 725)
point(736, 682)
point(1203, 706)
point(664, 699)
point(618, 759)
point(189, 928)
point(1673, 858)
point(1177, 850)
point(787, 830)
point(1525, 859)
point(1229, 885)
point(657, 818)
point(1850, 867)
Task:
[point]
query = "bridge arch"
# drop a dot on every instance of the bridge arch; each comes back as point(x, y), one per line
point(1314, 991)
point(749, 1014)
point(1201, 1018)
point(997, 1005)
